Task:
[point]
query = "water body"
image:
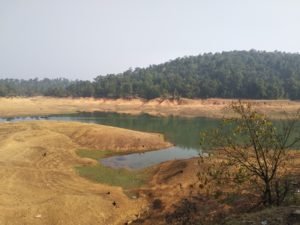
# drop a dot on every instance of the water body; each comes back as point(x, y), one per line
point(184, 133)
point(146, 159)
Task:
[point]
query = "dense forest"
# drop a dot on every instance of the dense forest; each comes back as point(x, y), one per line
point(236, 74)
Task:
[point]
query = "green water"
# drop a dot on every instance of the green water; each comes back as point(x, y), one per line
point(183, 132)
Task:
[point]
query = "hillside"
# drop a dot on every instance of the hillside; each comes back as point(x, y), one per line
point(236, 74)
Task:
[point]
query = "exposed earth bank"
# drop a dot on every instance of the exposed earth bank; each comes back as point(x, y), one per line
point(183, 192)
point(214, 108)
point(39, 184)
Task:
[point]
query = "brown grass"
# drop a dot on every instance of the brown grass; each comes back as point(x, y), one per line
point(174, 181)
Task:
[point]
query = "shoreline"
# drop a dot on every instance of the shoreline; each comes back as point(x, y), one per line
point(209, 108)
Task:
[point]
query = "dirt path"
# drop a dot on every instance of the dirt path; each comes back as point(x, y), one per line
point(214, 108)
point(38, 183)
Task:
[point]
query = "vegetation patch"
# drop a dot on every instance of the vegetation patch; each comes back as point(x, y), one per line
point(94, 154)
point(124, 178)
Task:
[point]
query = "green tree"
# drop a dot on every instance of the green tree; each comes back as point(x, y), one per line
point(236, 74)
point(256, 149)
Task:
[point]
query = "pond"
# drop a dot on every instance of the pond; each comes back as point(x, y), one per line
point(184, 133)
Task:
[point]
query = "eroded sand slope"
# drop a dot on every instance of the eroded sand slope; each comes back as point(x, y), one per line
point(38, 183)
point(215, 108)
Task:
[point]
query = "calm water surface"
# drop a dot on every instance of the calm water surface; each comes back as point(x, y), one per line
point(184, 133)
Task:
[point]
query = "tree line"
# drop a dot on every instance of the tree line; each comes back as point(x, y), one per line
point(235, 74)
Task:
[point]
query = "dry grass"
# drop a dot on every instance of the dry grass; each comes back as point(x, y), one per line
point(270, 216)
point(175, 181)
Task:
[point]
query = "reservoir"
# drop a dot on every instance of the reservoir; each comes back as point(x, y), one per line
point(184, 133)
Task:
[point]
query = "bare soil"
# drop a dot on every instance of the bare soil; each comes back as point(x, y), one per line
point(39, 184)
point(215, 108)
point(177, 196)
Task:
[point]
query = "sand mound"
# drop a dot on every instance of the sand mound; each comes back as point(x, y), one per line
point(109, 138)
point(38, 182)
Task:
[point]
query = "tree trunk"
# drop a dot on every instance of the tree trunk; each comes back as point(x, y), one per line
point(267, 196)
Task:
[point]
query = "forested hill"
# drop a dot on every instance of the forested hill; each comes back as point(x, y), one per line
point(236, 74)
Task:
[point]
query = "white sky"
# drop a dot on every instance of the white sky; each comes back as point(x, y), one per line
point(80, 39)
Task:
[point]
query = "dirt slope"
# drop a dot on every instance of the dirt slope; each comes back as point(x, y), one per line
point(38, 183)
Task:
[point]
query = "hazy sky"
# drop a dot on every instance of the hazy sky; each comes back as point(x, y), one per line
point(80, 39)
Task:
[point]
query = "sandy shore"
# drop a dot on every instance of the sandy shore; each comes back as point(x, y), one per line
point(38, 182)
point(214, 108)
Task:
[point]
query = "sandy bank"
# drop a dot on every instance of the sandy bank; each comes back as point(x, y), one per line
point(214, 108)
point(38, 182)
